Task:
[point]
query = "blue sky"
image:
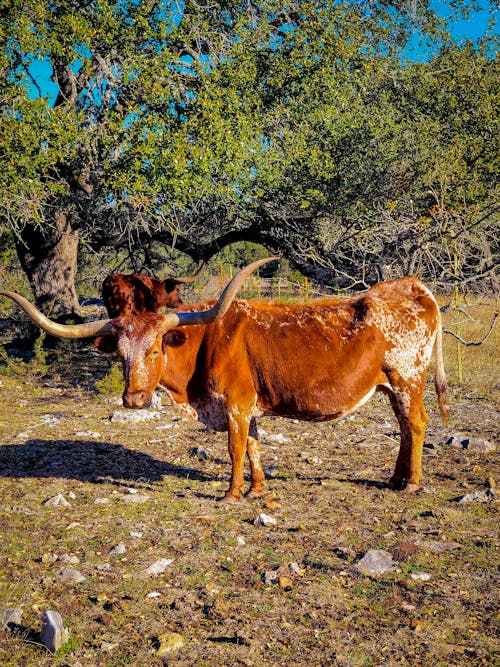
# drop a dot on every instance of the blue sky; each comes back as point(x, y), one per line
point(473, 28)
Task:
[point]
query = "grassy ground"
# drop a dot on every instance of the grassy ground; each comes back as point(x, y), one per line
point(56, 437)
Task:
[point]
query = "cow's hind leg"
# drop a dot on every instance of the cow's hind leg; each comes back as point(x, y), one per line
point(408, 406)
point(256, 472)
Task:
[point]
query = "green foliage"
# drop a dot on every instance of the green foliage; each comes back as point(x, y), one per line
point(299, 126)
point(112, 383)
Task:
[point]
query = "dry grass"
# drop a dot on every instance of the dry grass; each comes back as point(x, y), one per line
point(480, 364)
point(214, 594)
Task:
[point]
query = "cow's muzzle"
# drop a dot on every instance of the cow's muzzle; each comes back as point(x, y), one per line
point(136, 399)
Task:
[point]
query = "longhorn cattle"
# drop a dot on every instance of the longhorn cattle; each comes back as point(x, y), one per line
point(138, 293)
point(230, 361)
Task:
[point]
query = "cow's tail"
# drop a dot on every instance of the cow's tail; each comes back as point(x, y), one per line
point(439, 374)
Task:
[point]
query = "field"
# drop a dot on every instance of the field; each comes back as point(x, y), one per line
point(236, 593)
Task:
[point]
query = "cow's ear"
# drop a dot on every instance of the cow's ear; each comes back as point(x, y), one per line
point(106, 344)
point(174, 338)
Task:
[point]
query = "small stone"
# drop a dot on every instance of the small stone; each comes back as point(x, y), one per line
point(314, 460)
point(73, 524)
point(153, 594)
point(57, 501)
point(436, 546)
point(118, 549)
point(463, 441)
point(296, 569)
point(72, 560)
point(72, 576)
point(487, 496)
point(88, 434)
point(457, 440)
point(101, 501)
point(136, 533)
point(104, 567)
point(169, 642)
point(479, 445)
point(108, 646)
point(271, 577)
point(265, 520)
point(271, 472)
point(137, 498)
point(156, 401)
point(10, 615)
point(240, 541)
point(122, 416)
point(49, 558)
point(199, 453)
point(376, 561)
point(421, 576)
point(278, 438)
point(159, 566)
point(53, 634)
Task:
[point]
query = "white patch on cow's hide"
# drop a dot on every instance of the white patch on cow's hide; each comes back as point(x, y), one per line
point(411, 340)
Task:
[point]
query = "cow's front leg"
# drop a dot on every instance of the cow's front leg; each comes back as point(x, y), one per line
point(256, 472)
point(238, 425)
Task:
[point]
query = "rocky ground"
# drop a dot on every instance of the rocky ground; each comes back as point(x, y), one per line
point(115, 524)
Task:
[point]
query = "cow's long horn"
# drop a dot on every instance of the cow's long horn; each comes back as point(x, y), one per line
point(189, 279)
point(86, 330)
point(220, 308)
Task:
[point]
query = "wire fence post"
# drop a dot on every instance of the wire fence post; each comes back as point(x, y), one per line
point(457, 322)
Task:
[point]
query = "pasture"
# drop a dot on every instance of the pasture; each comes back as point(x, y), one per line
point(238, 593)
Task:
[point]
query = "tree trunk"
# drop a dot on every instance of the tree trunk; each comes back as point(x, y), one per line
point(49, 259)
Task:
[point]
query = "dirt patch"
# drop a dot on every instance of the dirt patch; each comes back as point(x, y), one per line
point(144, 486)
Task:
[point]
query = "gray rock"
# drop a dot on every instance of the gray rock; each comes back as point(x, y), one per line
point(71, 560)
point(199, 453)
point(265, 520)
point(271, 472)
point(156, 401)
point(480, 445)
point(437, 547)
point(118, 549)
point(135, 498)
point(376, 561)
point(134, 416)
point(57, 501)
point(487, 496)
point(159, 566)
point(71, 576)
point(271, 577)
point(53, 634)
point(462, 441)
point(10, 615)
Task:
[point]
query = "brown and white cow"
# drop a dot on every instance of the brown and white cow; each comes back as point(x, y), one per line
point(230, 361)
point(139, 293)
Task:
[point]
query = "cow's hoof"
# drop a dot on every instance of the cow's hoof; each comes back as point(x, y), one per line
point(396, 483)
point(229, 499)
point(253, 493)
point(411, 488)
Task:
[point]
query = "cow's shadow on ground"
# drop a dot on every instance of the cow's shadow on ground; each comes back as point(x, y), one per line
point(89, 461)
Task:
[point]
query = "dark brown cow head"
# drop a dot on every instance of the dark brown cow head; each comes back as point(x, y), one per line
point(139, 293)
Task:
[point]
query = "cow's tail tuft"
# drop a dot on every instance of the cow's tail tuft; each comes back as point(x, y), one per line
point(439, 374)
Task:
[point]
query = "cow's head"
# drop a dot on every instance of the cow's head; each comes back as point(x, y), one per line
point(140, 293)
point(138, 338)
